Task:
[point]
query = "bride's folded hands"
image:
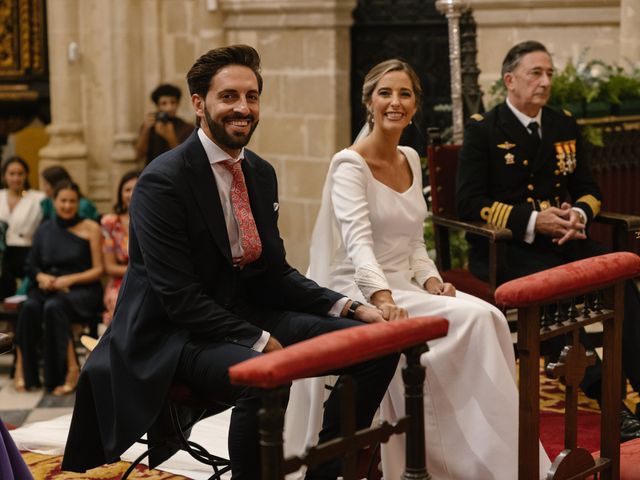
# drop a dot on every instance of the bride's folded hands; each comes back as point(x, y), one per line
point(434, 286)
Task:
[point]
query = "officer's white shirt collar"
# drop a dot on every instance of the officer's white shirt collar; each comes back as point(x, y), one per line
point(214, 153)
point(526, 119)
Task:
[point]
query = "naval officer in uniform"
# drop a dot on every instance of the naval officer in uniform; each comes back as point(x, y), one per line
point(522, 166)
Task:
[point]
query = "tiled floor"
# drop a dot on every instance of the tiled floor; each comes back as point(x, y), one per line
point(19, 408)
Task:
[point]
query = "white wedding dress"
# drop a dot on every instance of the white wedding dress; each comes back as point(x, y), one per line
point(370, 237)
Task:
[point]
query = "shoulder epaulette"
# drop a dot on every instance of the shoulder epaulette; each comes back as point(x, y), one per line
point(477, 117)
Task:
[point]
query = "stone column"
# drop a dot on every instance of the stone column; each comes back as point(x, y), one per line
point(305, 112)
point(126, 47)
point(66, 145)
point(629, 31)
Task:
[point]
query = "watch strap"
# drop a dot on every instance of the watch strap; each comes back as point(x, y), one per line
point(351, 311)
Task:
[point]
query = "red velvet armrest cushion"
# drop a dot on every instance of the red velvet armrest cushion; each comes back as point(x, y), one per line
point(334, 350)
point(572, 279)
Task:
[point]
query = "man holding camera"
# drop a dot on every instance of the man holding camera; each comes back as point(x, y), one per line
point(162, 129)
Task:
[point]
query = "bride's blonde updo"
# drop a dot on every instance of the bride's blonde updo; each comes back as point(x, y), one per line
point(380, 70)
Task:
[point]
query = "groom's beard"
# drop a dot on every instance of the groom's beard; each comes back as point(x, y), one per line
point(230, 141)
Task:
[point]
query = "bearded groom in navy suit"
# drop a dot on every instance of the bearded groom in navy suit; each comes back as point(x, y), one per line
point(208, 286)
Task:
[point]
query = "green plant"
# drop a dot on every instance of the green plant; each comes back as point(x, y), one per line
point(571, 86)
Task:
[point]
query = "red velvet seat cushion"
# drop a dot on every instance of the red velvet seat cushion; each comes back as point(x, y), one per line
point(629, 460)
point(572, 279)
point(336, 349)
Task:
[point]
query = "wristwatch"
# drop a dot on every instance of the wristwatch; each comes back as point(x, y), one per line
point(351, 311)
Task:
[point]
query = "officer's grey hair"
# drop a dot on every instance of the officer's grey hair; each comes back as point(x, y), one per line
point(514, 56)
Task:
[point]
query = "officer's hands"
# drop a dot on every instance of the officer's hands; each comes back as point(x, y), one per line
point(561, 224)
point(576, 232)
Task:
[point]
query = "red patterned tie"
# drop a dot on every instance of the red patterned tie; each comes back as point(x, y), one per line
point(249, 238)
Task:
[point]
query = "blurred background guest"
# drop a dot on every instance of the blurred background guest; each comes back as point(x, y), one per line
point(20, 210)
point(162, 130)
point(115, 228)
point(65, 265)
point(49, 178)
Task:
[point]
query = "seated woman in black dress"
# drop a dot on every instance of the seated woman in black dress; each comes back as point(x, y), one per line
point(65, 265)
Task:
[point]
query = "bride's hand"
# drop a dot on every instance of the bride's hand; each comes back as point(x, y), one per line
point(435, 287)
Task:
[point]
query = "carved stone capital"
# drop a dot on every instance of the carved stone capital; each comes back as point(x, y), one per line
point(257, 14)
point(66, 142)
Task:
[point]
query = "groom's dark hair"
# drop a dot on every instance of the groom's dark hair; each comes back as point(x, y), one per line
point(204, 69)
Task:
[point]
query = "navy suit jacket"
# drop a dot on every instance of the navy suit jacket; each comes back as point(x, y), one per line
point(180, 285)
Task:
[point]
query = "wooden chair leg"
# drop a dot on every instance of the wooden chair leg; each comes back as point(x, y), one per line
point(413, 375)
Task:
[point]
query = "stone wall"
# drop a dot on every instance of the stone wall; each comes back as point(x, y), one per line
point(566, 27)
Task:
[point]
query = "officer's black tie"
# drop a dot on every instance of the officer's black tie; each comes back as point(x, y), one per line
point(534, 128)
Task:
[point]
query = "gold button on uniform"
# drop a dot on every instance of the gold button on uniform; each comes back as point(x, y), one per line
point(557, 172)
point(525, 162)
point(557, 185)
point(530, 187)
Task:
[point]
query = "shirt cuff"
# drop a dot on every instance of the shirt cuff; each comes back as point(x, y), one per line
point(582, 214)
point(262, 341)
point(337, 308)
point(530, 233)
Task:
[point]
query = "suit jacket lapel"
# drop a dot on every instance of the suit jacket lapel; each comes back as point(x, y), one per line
point(205, 190)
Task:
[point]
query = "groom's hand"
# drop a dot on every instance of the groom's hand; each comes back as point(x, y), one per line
point(272, 345)
point(368, 314)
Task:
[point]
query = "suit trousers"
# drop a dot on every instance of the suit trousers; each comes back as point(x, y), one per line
point(204, 367)
point(523, 259)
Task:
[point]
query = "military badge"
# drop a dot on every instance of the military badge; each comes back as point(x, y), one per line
point(572, 162)
point(477, 117)
point(509, 159)
point(506, 145)
point(566, 156)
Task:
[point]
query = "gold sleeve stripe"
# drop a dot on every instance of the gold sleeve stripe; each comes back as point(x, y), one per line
point(501, 220)
point(498, 214)
point(593, 202)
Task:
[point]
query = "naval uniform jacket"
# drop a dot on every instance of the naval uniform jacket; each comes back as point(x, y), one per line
point(180, 286)
point(503, 177)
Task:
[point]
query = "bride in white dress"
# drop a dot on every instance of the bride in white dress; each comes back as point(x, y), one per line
point(368, 244)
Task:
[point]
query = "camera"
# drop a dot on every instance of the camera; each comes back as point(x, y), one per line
point(162, 117)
